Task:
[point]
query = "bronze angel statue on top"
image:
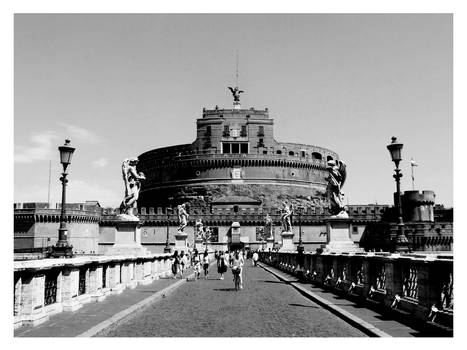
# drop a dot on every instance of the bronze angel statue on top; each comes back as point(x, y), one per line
point(236, 93)
point(336, 179)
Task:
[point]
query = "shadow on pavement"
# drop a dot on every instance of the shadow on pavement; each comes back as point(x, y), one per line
point(265, 281)
point(225, 289)
point(301, 305)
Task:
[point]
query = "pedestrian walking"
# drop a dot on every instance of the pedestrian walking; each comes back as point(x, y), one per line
point(255, 259)
point(196, 262)
point(175, 264)
point(237, 265)
point(206, 264)
point(221, 264)
point(183, 262)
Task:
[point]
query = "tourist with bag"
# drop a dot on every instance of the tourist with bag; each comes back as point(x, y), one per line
point(221, 264)
point(206, 264)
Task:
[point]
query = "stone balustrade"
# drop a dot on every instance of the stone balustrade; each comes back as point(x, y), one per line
point(418, 285)
point(45, 287)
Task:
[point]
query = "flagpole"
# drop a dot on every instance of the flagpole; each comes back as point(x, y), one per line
point(413, 179)
point(48, 194)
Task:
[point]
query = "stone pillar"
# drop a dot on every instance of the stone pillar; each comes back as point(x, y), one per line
point(127, 238)
point(70, 289)
point(391, 282)
point(17, 312)
point(269, 243)
point(169, 267)
point(95, 283)
point(105, 281)
point(138, 272)
point(335, 268)
point(147, 271)
point(32, 299)
point(366, 276)
point(131, 283)
point(154, 274)
point(320, 271)
point(287, 241)
point(199, 245)
point(427, 287)
point(86, 297)
point(339, 236)
point(115, 283)
point(180, 242)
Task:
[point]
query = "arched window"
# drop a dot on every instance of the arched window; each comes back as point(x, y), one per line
point(235, 208)
point(278, 151)
point(316, 156)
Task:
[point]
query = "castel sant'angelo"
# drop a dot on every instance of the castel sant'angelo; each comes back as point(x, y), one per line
point(235, 155)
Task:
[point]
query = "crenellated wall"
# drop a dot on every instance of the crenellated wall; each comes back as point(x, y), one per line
point(39, 228)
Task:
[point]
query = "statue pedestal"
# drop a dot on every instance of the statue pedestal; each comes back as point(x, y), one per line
point(338, 236)
point(287, 241)
point(199, 245)
point(237, 105)
point(269, 243)
point(127, 238)
point(180, 242)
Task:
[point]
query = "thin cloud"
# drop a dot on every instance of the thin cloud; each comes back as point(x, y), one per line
point(43, 147)
point(44, 144)
point(100, 163)
point(80, 134)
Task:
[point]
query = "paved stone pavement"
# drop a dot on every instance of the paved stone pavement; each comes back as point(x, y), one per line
point(384, 322)
point(266, 307)
point(71, 324)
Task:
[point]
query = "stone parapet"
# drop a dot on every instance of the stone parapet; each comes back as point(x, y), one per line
point(45, 287)
point(419, 285)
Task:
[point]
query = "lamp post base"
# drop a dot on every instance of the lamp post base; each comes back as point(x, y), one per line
point(167, 249)
point(401, 244)
point(61, 251)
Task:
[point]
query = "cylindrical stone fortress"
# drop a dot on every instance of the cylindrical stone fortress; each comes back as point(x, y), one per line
point(234, 154)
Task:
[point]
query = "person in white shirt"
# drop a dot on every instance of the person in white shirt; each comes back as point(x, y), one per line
point(195, 261)
point(237, 263)
point(206, 264)
point(255, 259)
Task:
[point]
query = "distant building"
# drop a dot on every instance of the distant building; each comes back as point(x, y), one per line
point(235, 154)
point(36, 226)
point(427, 226)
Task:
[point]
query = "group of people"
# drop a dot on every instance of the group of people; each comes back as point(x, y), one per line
point(180, 262)
point(233, 259)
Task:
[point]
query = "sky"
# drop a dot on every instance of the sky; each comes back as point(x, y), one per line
point(120, 85)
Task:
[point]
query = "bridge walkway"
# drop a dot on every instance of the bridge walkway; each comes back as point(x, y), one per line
point(268, 306)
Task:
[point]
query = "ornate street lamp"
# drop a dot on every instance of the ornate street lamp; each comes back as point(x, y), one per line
point(167, 245)
point(62, 248)
point(395, 149)
point(300, 247)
